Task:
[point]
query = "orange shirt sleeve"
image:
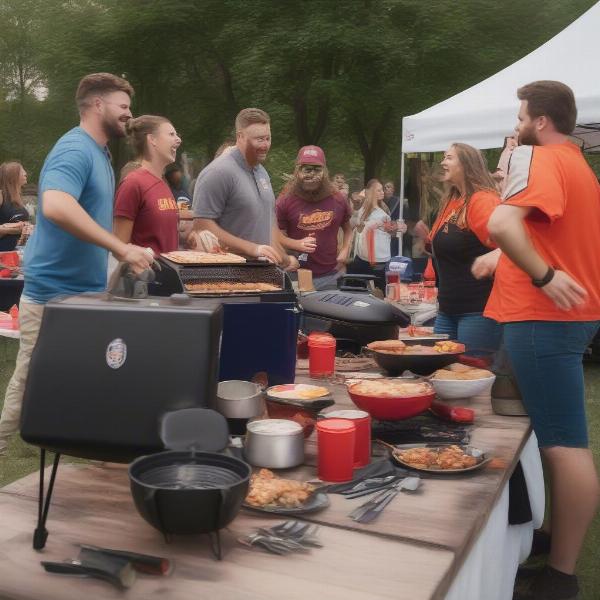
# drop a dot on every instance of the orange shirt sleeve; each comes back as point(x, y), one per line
point(534, 181)
point(481, 207)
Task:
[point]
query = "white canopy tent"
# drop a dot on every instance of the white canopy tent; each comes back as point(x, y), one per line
point(485, 113)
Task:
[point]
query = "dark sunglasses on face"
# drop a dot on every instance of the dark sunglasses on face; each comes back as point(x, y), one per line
point(307, 169)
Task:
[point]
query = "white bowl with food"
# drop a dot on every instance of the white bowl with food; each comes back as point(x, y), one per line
point(453, 383)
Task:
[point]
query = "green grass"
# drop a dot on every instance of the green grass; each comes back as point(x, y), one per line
point(23, 459)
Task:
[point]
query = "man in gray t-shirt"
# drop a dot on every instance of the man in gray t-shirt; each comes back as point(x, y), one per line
point(233, 197)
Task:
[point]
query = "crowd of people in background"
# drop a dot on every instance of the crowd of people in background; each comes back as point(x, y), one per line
point(529, 262)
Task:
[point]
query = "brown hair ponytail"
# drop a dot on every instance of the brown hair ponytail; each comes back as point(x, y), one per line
point(139, 128)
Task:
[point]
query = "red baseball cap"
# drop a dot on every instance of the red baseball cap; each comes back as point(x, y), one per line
point(311, 155)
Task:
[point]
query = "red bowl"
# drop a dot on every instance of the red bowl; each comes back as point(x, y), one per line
point(386, 408)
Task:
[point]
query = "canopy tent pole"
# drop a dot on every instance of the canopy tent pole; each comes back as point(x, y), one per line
point(401, 197)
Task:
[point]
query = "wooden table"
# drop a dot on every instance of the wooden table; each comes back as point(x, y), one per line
point(412, 551)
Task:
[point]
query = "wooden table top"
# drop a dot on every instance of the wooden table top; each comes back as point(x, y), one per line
point(412, 551)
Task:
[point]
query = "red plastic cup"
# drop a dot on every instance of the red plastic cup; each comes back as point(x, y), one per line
point(335, 445)
point(362, 438)
point(392, 277)
point(321, 354)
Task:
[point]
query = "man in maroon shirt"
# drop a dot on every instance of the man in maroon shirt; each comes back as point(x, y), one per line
point(310, 213)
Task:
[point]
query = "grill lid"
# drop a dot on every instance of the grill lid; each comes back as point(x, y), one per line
point(196, 429)
point(354, 307)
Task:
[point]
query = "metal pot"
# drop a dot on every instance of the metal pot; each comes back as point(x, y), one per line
point(191, 488)
point(188, 493)
point(240, 399)
point(274, 444)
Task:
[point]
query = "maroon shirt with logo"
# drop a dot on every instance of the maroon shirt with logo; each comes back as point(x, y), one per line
point(148, 202)
point(300, 218)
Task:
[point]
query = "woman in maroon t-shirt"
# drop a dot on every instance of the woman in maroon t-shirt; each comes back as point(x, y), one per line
point(146, 213)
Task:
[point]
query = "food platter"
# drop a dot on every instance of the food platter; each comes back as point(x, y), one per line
point(315, 502)
point(270, 493)
point(191, 257)
point(230, 287)
point(396, 361)
point(481, 457)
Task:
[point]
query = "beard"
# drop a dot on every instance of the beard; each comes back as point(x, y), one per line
point(113, 128)
point(528, 137)
point(311, 188)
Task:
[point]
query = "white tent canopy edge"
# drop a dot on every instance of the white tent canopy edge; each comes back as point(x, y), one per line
point(485, 113)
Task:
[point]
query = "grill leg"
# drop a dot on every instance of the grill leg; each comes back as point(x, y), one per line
point(40, 535)
point(215, 542)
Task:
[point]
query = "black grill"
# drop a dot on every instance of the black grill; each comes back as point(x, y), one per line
point(173, 278)
point(189, 477)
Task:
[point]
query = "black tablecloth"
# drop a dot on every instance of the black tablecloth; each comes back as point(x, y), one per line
point(10, 292)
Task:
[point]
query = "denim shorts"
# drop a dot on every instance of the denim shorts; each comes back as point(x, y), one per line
point(481, 336)
point(546, 358)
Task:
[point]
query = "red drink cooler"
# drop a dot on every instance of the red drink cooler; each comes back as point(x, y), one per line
point(335, 444)
point(321, 354)
point(362, 440)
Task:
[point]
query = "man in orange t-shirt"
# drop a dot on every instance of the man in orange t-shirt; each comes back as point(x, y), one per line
point(547, 294)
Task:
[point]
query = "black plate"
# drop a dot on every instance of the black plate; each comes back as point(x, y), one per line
point(482, 458)
point(316, 501)
point(423, 364)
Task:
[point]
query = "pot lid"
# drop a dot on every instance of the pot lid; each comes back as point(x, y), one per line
point(199, 429)
point(352, 307)
point(274, 427)
point(335, 426)
point(347, 414)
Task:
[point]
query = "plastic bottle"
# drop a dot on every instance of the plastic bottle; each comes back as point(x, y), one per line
point(430, 291)
point(14, 313)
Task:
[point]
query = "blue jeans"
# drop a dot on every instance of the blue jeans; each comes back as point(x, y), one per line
point(328, 281)
point(546, 358)
point(480, 335)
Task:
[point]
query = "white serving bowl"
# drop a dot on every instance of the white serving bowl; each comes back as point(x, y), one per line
point(450, 389)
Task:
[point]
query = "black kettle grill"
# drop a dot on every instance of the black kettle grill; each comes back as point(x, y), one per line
point(192, 488)
point(351, 312)
point(105, 370)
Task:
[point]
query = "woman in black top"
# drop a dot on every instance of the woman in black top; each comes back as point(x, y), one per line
point(458, 237)
point(13, 215)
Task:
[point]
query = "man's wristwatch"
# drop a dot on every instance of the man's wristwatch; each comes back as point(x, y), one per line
point(547, 278)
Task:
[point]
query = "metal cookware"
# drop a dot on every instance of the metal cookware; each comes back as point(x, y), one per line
point(240, 399)
point(351, 312)
point(274, 444)
point(191, 491)
point(423, 364)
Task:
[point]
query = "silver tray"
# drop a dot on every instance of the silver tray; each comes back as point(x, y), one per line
point(482, 457)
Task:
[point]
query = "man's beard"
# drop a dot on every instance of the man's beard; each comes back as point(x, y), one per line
point(311, 187)
point(528, 137)
point(112, 129)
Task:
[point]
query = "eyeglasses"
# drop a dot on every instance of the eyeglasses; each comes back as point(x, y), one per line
point(307, 169)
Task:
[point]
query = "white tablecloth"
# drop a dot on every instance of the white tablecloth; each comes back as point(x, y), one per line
point(10, 333)
point(489, 571)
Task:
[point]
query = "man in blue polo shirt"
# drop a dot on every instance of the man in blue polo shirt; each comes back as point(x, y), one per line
point(68, 252)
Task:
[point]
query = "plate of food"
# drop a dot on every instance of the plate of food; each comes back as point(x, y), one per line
point(421, 335)
point(439, 459)
point(192, 257)
point(395, 356)
point(218, 287)
point(273, 494)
